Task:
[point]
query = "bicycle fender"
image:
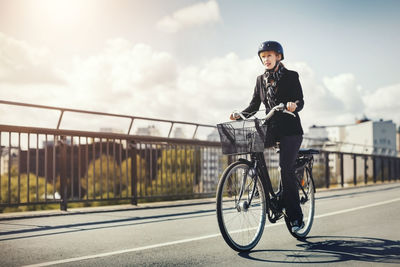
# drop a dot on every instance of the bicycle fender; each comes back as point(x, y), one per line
point(245, 161)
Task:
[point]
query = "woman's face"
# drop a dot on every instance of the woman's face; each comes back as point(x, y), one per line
point(269, 59)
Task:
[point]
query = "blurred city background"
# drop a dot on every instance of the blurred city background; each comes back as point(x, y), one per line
point(117, 102)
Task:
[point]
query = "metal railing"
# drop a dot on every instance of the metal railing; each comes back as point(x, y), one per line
point(131, 118)
point(41, 166)
point(77, 166)
point(342, 169)
point(52, 165)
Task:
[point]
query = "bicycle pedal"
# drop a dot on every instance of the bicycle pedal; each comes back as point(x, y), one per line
point(275, 217)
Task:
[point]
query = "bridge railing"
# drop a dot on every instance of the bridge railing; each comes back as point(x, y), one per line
point(340, 169)
point(41, 166)
point(75, 166)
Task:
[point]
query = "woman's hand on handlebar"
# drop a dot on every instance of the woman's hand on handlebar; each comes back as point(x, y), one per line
point(291, 106)
point(234, 116)
point(289, 109)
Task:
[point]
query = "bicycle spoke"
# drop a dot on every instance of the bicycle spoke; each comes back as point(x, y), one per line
point(241, 219)
point(307, 204)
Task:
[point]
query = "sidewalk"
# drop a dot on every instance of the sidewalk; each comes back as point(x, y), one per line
point(111, 208)
point(151, 205)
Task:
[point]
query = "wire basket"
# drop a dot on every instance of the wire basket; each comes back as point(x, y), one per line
point(242, 137)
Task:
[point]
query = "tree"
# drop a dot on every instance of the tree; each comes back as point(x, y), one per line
point(15, 190)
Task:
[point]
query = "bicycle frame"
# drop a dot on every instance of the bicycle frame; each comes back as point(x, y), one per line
point(242, 223)
point(254, 202)
point(261, 169)
point(244, 185)
point(259, 166)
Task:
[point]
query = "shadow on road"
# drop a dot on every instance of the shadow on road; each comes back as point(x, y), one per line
point(330, 249)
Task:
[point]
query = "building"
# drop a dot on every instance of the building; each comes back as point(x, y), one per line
point(179, 133)
point(111, 130)
point(211, 164)
point(148, 131)
point(5, 154)
point(364, 137)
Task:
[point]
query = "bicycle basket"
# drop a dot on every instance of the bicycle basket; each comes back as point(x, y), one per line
point(242, 137)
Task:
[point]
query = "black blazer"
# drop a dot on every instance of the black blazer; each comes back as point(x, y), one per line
point(288, 90)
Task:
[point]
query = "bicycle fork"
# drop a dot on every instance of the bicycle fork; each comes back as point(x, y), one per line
point(244, 205)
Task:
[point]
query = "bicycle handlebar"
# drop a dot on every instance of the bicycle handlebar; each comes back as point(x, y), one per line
point(280, 107)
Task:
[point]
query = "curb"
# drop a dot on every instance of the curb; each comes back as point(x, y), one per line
point(149, 205)
point(101, 209)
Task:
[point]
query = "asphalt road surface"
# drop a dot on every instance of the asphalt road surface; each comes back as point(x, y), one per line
point(352, 227)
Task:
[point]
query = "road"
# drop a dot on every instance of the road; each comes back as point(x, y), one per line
point(352, 227)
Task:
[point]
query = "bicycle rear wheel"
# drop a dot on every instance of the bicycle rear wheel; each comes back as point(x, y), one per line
point(307, 204)
point(241, 207)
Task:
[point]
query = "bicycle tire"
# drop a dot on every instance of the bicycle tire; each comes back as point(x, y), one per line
point(307, 207)
point(241, 226)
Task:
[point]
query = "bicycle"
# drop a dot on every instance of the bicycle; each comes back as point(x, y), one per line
point(245, 195)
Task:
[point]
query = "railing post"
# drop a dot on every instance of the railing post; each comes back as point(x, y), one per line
point(327, 172)
point(365, 170)
point(134, 179)
point(374, 168)
point(63, 172)
point(398, 168)
point(341, 170)
point(354, 169)
point(382, 169)
point(390, 169)
point(394, 169)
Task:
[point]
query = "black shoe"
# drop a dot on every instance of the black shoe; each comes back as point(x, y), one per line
point(297, 225)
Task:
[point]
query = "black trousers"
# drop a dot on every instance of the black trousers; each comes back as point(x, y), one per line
point(289, 148)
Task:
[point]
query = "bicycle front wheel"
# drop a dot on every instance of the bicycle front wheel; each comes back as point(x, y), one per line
point(307, 204)
point(241, 207)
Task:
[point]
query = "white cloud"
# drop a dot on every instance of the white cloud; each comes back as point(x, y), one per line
point(135, 79)
point(213, 90)
point(384, 103)
point(195, 15)
point(345, 88)
point(337, 100)
point(24, 64)
point(131, 74)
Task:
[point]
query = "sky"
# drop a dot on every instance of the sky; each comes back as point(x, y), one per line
point(196, 61)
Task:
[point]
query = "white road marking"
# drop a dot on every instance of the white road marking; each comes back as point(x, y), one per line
point(101, 255)
point(357, 208)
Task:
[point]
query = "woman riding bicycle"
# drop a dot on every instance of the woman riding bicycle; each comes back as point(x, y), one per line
point(280, 85)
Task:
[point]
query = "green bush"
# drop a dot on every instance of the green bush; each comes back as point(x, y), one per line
point(38, 189)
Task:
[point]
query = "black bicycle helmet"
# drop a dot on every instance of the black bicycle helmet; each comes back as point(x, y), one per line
point(271, 46)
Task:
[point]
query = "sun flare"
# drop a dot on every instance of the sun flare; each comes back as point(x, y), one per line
point(60, 12)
